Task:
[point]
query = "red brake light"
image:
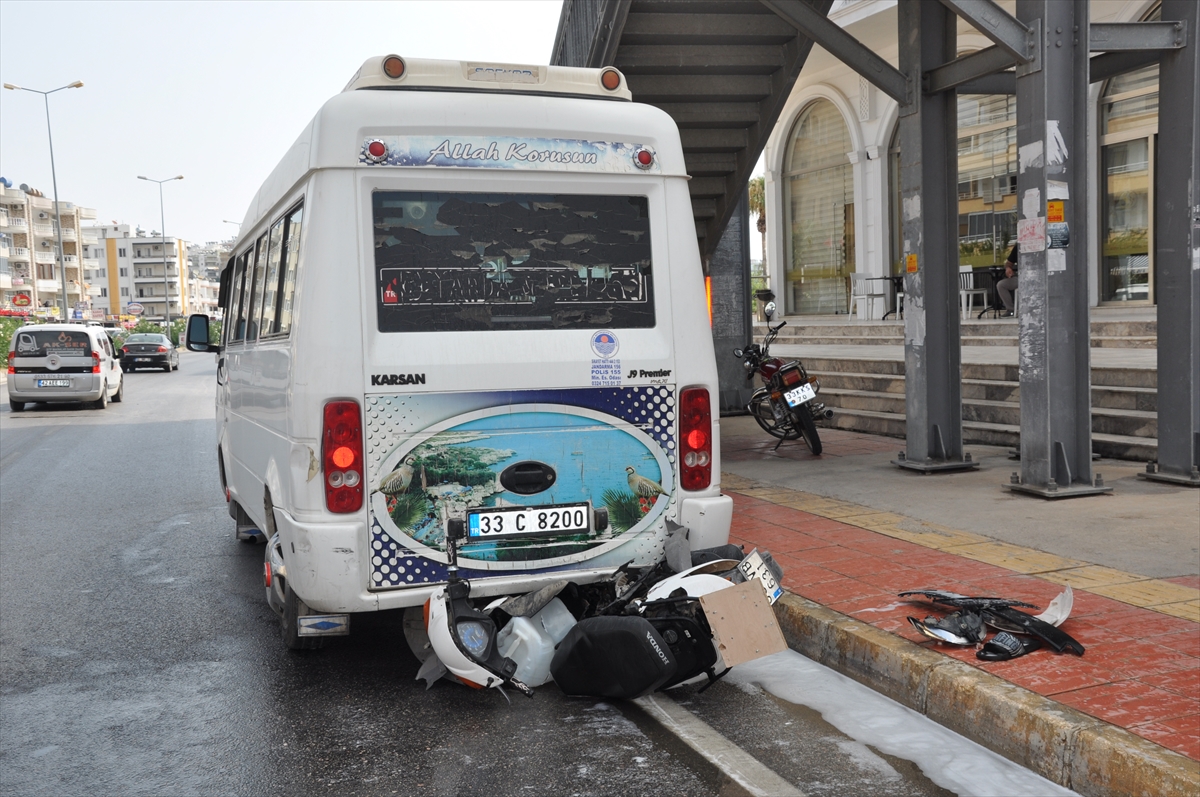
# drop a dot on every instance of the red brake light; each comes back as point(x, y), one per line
point(12, 355)
point(695, 433)
point(162, 348)
point(377, 149)
point(342, 456)
point(96, 364)
point(643, 158)
point(791, 376)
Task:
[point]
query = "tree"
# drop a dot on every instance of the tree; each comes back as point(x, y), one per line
point(758, 206)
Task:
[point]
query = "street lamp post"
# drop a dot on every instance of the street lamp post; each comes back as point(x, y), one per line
point(62, 266)
point(163, 220)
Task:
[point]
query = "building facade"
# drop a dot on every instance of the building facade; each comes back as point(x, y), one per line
point(832, 173)
point(30, 270)
point(204, 275)
point(128, 279)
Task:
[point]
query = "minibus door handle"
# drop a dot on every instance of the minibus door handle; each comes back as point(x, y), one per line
point(221, 375)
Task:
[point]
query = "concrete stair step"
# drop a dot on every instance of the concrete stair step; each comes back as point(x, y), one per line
point(845, 380)
point(988, 340)
point(1143, 399)
point(1124, 342)
point(991, 390)
point(1124, 377)
point(1115, 446)
point(842, 365)
point(844, 340)
point(1126, 423)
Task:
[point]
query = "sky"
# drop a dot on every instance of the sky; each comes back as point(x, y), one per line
point(215, 91)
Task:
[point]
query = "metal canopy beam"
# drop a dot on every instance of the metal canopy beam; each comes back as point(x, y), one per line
point(842, 46)
point(1177, 257)
point(962, 70)
point(928, 174)
point(997, 24)
point(1116, 36)
point(997, 83)
point(1052, 233)
point(1107, 65)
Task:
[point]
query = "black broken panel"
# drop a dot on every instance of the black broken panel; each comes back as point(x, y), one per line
point(448, 261)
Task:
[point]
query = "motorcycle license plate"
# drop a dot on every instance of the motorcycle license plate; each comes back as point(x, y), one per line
point(798, 395)
point(753, 567)
point(54, 383)
point(529, 521)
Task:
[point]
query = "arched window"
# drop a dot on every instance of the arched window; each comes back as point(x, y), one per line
point(820, 210)
point(1128, 144)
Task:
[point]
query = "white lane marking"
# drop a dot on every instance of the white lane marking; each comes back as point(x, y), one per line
point(743, 768)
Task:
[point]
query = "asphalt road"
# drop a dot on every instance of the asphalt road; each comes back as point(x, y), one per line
point(138, 655)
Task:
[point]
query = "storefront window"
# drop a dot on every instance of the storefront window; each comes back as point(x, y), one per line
point(1129, 134)
point(987, 178)
point(820, 207)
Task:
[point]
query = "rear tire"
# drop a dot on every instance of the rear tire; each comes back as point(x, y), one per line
point(167, 367)
point(294, 608)
point(760, 408)
point(16, 406)
point(119, 396)
point(808, 429)
point(102, 402)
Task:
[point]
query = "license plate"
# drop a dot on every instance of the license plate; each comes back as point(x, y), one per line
point(753, 567)
point(798, 395)
point(141, 359)
point(54, 383)
point(527, 521)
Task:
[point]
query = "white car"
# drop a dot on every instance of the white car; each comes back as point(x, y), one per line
point(63, 363)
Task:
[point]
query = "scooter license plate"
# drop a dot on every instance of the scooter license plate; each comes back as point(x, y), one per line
point(798, 395)
point(529, 521)
point(753, 567)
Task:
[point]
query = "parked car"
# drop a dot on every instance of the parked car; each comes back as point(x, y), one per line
point(149, 350)
point(63, 363)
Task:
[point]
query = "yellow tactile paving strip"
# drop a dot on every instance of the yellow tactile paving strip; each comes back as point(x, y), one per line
point(1135, 590)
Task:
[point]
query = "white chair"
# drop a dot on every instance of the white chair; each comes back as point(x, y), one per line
point(862, 291)
point(967, 291)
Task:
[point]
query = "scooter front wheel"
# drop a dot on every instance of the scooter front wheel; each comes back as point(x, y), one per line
point(760, 408)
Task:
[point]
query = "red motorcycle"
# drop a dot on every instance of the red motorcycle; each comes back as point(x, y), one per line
point(786, 406)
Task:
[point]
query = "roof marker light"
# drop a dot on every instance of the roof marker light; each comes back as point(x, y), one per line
point(377, 150)
point(610, 79)
point(393, 67)
point(644, 158)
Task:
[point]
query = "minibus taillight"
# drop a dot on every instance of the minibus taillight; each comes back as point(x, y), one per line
point(12, 355)
point(695, 434)
point(342, 456)
point(96, 362)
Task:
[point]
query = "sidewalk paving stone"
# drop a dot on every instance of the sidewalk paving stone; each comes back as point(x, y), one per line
point(1141, 669)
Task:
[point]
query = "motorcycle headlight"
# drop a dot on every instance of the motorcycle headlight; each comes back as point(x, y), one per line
point(474, 637)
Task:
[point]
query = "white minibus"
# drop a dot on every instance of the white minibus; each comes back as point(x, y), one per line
point(469, 293)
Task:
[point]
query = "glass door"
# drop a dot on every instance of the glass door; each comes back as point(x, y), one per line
point(1125, 244)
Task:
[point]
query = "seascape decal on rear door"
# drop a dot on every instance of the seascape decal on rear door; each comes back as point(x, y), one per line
point(436, 456)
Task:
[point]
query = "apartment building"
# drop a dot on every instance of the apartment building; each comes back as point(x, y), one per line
point(204, 278)
point(127, 273)
point(30, 275)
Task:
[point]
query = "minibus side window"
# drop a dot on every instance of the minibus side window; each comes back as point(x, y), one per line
point(254, 283)
point(270, 297)
point(471, 261)
point(291, 254)
point(237, 317)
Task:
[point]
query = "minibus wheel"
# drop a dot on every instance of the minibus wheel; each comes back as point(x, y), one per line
point(293, 609)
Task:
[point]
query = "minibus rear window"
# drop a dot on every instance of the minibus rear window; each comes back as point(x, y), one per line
point(450, 261)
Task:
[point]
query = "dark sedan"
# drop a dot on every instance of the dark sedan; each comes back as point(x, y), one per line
point(148, 350)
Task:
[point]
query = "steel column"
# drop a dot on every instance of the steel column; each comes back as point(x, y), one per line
point(1052, 232)
point(1177, 255)
point(729, 272)
point(928, 175)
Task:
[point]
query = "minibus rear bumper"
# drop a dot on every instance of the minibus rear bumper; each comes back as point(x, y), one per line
point(328, 570)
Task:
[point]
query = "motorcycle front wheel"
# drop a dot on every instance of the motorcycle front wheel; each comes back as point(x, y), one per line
point(760, 408)
point(808, 428)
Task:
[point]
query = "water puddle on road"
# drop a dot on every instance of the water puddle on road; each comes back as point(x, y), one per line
point(883, 726)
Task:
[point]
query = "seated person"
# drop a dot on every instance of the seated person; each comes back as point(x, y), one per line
point(1006, 286)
